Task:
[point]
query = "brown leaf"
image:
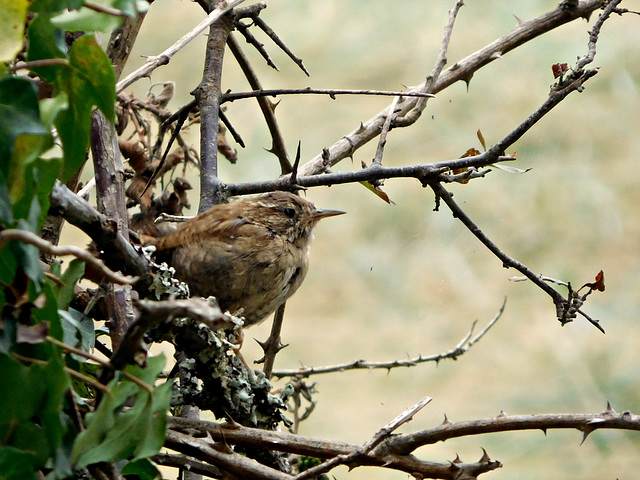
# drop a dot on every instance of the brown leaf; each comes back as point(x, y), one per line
point(598, 284)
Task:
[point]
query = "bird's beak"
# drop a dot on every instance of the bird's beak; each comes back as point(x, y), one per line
point(326, 213)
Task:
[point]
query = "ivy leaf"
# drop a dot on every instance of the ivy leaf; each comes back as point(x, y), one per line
point(113, 434)
point(68, 280)
point(54, 6)
point(78, 329)
point(85, 19)
point(89, 82)
point(22, 135)
point(46, 41)
point(33, 410)
point(12, 20)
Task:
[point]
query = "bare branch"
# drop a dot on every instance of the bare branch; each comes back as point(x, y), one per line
point(461, 70)
point(332, 92)
point(461, 348)
point(609, 419)
point(60, 250)
point(562, 304)
point(165, 57)
point(278, 147)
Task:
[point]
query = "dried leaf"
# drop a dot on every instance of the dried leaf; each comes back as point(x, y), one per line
point(598, 284)
point(378, 191)
point(481, 138)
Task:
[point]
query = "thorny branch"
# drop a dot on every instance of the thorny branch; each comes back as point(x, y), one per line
point(165, 57)
point(461, 348)
point(397, 451)
point(461, 70)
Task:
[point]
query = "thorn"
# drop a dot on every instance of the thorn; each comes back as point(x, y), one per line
point(544, 430)
point(609, 410)
point(446, 420)
point(485, 456)
point(360, 128)
point(518, 21)
point(457, 459)
point(467, 80)
point(501, 414)
point(495, 55)
point(585, 434)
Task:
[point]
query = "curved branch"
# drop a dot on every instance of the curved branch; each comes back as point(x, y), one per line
point(462, 347)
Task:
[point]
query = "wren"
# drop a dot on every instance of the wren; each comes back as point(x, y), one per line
point(252, 254)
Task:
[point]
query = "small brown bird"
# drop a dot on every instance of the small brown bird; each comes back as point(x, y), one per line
point(252, 255)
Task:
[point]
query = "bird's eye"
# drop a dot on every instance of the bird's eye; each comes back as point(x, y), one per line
point(289, 212)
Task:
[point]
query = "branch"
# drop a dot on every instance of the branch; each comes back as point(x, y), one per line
point(278, 147)
point(165, 57)
point(380, 456)
point(395, 451)
point(461, 70)
point(25, 236)
point(207, 95)
point(77, 211)
point(563, 306)
point(423, 172)
point(152, 313)
point(586, 423)
point(332, 92)
point(461, 348)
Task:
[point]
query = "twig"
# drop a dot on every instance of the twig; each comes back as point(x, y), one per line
point(423, 172)
point(610, 7)
point(74, 373)
point(276, 39)
point(413, 115)
point(165, 57)
point(332, 92)
point(278, 147)
point(114, 12)
point(60, 250)
point(46, 62)
point(226, 459)
point(99, 361)
point(461, 348)
point(561, 303)
point(273, 344)
point(586, 423)
point(78, 212)
point(381, 435)
point(386, 126)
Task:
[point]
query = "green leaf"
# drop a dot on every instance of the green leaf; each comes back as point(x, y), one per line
point(6, 209)
point(143, 468)
point(34, 407)
point(94, 74)
point(85, 19)
point(54, 6)
point(22, 135)
point(16, 464)
point(50, 107)
point(131, 7)
point(78, 329)
point(46, 41)
point(13, 15)
point(69, 278)
point(90, 81)
point(114, 435)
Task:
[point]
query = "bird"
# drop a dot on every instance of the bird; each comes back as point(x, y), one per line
point(251, 254)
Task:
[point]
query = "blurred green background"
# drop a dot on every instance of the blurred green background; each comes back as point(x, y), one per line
point(391, 282)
